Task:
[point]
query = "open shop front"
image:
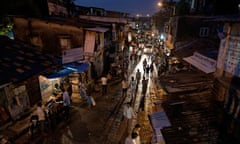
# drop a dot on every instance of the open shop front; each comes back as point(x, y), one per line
point(66, 78)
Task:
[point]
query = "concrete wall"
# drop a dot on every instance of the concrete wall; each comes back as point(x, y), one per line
point(48, 32)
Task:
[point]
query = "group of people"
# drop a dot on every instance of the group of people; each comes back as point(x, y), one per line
point(128, 112)
point(45, 116)
point(133, 135)
point(147, 68)
point(65, 94)
point(124, 83)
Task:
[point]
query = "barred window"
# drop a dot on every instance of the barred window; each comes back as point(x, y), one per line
point(204, 32)
point(65, 42)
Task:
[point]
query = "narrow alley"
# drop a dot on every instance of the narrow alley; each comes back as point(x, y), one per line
point(102, 124)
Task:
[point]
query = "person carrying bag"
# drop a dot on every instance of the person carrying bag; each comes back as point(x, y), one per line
point(93, 101)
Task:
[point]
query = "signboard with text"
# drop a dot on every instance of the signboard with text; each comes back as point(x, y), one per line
point(72, 55)
point(232, 60)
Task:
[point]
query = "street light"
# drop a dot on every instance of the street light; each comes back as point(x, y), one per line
point(160, 4)
point(168, 5)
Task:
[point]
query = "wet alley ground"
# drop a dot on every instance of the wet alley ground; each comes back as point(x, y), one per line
point(103, 123)
point(185, 97)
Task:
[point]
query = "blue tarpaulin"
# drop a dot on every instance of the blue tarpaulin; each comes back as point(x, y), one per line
point(78, 67)
point(60, 73)
point(158, 121)
point(68, 69)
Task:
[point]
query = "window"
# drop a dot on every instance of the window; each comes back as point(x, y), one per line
point(36, 40)
point(166, 29)
point(204, 31)
point(65, 42)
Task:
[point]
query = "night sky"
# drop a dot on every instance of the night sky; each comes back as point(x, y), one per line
point(133, 7)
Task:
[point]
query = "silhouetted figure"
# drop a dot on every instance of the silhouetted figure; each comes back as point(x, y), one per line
point(104, 84)
point(144, 64)
point(142, 103)
point(138, 76)
point(124, 87)
point(144, 85)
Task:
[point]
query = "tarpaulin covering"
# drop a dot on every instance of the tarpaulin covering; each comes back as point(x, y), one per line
point(68, 69)
point(158, 121)
point(203, 63)
point(60, 73)
point(78, 67)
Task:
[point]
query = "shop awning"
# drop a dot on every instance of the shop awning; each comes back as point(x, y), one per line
point(60, 73)
point(68, 69)
point(201, 62)
point(77, 67)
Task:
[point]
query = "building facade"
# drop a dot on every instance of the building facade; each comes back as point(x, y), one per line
point(226, 86)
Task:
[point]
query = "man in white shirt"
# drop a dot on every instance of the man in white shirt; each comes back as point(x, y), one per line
point(131, 139)
point(128, 114)
point(124, 87)
point(133, 85)
point(41, 116)
point(104, 85)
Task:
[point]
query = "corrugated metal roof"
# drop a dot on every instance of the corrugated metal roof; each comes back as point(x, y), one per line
point(19, 61)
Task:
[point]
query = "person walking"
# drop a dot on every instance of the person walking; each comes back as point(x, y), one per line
point(138, 76)
point(151, 67)
point(144, 64)
point(144, 85)
point(131, 138)
point(125, 75)
point(82, 89)
point(142, 103)
point(128, 114)
point(136, 131)
point(39, 112)
point(69, 89)
point(133, 85)
point(124, 87)
point(147, 70)
point(66, 103)
point(91, 102)
point(104, 84)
